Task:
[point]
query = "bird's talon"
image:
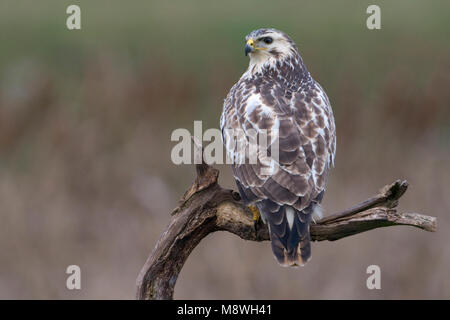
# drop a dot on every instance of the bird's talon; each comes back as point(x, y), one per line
point(254, 210)
point(256, 216)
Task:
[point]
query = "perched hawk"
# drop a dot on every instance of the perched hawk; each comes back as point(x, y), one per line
point(278, 95)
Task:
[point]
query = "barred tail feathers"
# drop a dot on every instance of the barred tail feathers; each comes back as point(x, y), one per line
point(289, 235)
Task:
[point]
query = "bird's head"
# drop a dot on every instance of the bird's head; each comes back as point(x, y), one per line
point(268, 46)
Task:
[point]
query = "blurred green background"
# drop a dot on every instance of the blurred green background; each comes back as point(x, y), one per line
point(85, 123)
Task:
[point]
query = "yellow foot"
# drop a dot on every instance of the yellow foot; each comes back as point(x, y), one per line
point(256, 216)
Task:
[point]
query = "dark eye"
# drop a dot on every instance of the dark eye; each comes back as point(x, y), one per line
point(268, 40)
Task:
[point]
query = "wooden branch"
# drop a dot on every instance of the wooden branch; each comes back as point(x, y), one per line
point(207, 207)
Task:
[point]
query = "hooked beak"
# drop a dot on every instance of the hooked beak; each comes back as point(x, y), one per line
point(249, 46)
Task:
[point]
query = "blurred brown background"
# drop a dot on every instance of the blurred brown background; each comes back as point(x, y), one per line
point(85, 123)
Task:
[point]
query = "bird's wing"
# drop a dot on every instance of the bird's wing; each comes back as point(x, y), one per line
point(303, 124)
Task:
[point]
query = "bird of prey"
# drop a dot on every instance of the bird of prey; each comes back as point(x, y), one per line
point(277, 95)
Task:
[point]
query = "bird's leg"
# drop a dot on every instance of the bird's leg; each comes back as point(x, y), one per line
point(256, 216)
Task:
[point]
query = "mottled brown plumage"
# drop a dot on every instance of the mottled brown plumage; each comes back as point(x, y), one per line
point(278, 94)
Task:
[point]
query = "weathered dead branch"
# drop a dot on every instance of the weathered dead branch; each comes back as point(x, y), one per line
point(207, 207)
